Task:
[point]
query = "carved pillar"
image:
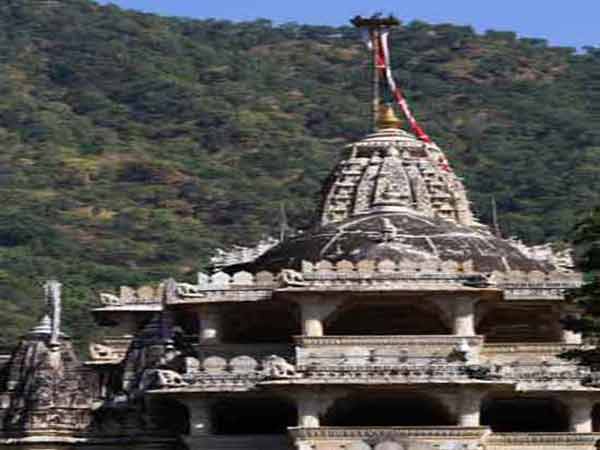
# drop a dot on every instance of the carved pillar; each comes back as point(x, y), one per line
point(463, 323)
point(209, 321)
point(312, 404)
point(127, 325)
point(581, 414)
point(569, 336)
point(469, 407)
point(313, 313)
point(308, 410)
point(199, 413)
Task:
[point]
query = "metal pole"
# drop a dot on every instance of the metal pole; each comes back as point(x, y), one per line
point(374, 33)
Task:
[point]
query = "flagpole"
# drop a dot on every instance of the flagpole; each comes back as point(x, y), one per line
point(374, 25)
point(374, 33)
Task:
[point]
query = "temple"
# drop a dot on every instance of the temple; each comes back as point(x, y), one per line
point(398, 322)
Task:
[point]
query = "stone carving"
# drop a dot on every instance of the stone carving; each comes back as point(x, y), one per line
point(463, 352)
point(240, 254)
point(243, 364)
point(359, 445)
point(47, 387)
point(169, 379)
point(392, 169)
point(390, 445)
point(131, 296)
point(291, 278)
point(52, 291)
point(101, 352)
point(109, 299)
point(276, 367)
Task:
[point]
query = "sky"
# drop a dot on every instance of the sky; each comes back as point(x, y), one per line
point(573, 23)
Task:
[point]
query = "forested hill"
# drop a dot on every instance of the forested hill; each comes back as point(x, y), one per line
point(133, 145)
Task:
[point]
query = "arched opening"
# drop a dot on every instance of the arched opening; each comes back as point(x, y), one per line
point(524, 415)
point(384, 409)
point(502, 324)
point(387, 319)
point(261, 322)
point(251, 416)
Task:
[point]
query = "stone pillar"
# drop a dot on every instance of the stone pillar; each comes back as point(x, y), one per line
point(308, 410)
point(314, 311)
point(569, 336)
point(581, 414)
point(469, 407)
point(199, 411)
point(127, 325)
point(209, 321)
point(463, 323)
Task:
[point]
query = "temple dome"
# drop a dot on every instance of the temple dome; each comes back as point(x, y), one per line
point(405, 237)
point(394, 197)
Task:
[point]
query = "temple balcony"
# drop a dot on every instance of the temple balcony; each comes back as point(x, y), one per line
point(439, 438)
point(389, 350)
point(392, 438)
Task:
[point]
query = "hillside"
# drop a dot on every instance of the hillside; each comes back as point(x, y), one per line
point(133, 145)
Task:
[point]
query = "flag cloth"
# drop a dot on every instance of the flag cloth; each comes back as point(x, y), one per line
point(379, 44)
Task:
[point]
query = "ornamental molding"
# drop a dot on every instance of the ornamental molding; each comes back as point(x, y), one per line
point(368, 433)
point(424, 341)
point(363, 275)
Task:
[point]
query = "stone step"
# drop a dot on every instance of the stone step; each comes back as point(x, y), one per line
point(258, 442)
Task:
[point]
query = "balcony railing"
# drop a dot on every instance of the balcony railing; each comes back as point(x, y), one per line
point(422, 438)
point(380, 350)
point(439, 438)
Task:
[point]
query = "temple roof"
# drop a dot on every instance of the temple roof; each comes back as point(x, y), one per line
point(394, 197)
point(392, 171)
point(403, 236)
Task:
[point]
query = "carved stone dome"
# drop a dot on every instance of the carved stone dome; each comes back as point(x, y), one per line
point(391, 171)
point(393, 197)
point(405, 237)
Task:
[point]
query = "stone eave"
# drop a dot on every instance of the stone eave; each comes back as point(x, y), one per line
point(65, 438)
point(135, 308)
point(113, 362)
point(382, 382)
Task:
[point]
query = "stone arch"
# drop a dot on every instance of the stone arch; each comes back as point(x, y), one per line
point(261, 322)
point(388, 409)
point(499, 323)
point(389, 318)
point(260, 415)
point(524, 414)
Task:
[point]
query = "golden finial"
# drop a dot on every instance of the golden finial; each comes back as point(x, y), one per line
point(387, 118)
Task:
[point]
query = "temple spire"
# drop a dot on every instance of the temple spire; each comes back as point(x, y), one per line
point(52, 291)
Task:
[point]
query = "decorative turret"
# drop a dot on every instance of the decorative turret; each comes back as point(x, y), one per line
point(47, 388)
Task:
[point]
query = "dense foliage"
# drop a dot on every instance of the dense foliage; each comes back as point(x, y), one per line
point(133, 145)
point(586, 299)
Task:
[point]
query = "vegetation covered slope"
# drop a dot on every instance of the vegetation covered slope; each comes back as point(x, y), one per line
point(132, 145)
